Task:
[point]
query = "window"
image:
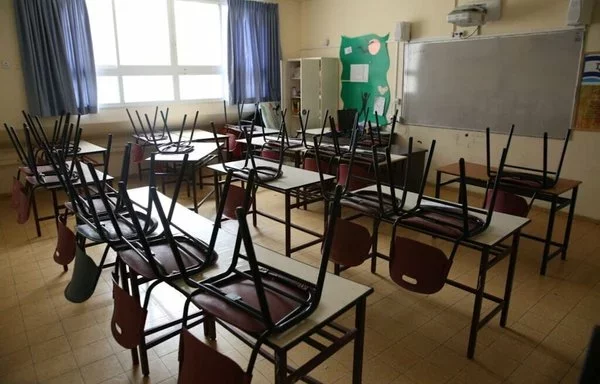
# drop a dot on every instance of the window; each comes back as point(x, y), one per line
point(150, 51)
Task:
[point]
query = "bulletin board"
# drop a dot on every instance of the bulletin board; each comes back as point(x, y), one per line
point(365, 64)
point(588, 107)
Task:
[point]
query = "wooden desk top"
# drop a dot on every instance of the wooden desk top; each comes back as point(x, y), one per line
point(201, 150)
point(338, 293)
point(501, 226)
point(292, 178)
point(87, 148)
point(259, 141)
point(199, 136)
point(258, 131)
point(317, 131)
point(479, 172)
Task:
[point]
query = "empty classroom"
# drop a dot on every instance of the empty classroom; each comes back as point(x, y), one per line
point(317, 191)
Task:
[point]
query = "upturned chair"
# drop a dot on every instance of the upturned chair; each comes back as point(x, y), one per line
point(259, 300)
point(168, 258)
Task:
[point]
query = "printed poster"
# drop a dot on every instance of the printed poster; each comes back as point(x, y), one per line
point(588, 108)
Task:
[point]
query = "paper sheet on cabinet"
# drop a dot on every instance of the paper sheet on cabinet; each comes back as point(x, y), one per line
point(359, 73)
point(379, 105)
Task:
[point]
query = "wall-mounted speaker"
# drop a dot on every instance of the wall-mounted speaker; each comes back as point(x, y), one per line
point(402, 31)
point(580, 12)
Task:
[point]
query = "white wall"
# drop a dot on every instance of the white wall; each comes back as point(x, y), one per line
point(322, 19)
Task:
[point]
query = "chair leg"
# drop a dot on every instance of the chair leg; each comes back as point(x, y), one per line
point(125, 283)
point(142, 347)
point(35, 213)
point(374, 246)
point(337, 269)
point(210, 330)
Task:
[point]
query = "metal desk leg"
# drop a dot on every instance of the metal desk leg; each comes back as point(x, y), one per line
point(359, 341)
point(35, 213)
point(254, 214)
point(512, 262)
point(483, 266)
point(216, 178)
point(55, 207)
point(548, 243)
point(438, 181)
point(280, 366)
point(325, 216)
point(194, 195)
point(288, 225)
point(565, 245)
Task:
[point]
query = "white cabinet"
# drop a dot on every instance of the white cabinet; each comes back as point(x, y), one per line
point(309, 84)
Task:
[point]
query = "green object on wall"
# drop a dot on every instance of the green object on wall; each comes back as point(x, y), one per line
point(365, 64)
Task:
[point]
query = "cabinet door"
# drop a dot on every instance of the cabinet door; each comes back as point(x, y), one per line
point(330, 80)
point(310, 90)
point(285, 97)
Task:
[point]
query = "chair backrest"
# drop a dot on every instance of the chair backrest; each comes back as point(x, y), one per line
point(199, 363)
point(508, 203)
point(310, 164)
point(236, 197)
point(355, 180)
point(417, 266)
point(351, 243)
point(270, 154)
point(137, 153)
point(66, 243)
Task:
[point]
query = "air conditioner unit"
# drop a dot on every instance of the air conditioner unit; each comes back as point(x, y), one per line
point(467, 16)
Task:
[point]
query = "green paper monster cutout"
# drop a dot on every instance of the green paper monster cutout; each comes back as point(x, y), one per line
point(355, 52)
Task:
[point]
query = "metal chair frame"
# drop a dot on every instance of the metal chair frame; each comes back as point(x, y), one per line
point(545, 178)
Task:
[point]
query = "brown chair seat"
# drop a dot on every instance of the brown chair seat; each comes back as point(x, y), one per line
point(97, 202)
point(46, 169)
point(524, 179)
point(443, 221)
point(279, 305)
point(127, 230)
point(365, 206)
point(163, 253)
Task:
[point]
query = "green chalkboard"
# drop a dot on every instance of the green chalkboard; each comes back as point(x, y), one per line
point(365, 64)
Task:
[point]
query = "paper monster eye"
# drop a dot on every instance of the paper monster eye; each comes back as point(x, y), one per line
point(374, 46)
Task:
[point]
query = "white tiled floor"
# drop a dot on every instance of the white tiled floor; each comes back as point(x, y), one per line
point(410, 338)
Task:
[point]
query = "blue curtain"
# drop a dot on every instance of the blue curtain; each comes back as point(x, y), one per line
point(57, 56)
point(254, 51)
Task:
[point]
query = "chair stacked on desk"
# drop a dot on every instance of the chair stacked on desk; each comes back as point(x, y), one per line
point(35, 156)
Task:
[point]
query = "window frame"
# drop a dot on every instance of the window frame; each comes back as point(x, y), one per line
point(174, 69)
